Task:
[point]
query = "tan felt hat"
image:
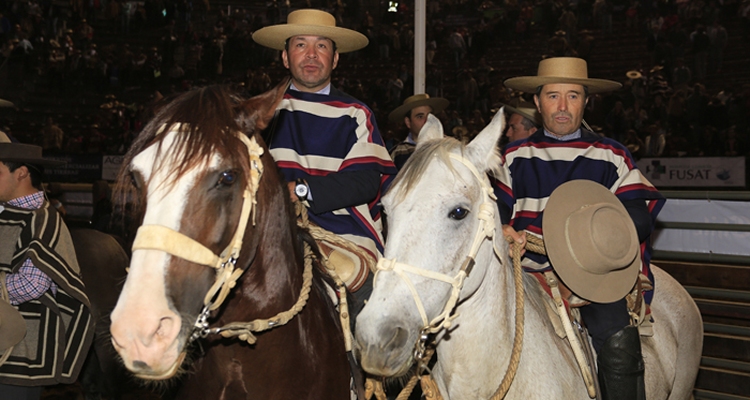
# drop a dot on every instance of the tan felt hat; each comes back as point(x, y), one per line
point(526, 109)
point(438, 104)
point(314, 23)
point(562, 70)
point(591, 241)
point(23, 153)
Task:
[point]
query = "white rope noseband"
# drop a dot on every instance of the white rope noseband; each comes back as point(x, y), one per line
point(485, 231)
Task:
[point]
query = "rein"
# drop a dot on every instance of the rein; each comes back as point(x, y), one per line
point(162, 238)
point(444, 320)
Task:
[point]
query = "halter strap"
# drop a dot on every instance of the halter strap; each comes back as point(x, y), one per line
point(162, 238)
point(486, 230)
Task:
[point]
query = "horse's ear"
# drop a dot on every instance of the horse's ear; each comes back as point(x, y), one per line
point(483, 151)
point(432, 129)
point(256, 113)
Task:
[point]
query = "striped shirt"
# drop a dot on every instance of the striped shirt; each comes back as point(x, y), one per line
point(534, 167)
point(29, 282)
point(317, 135)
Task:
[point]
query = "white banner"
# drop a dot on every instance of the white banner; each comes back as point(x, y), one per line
point(110, 167)
point(694, 171)
point(704, 241)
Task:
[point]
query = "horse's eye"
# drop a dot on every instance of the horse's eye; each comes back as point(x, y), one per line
point(227, 178)
point(135, 179)
point(458, 213)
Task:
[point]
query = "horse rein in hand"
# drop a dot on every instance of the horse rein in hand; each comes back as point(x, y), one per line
point(162, 238)
point(486, 231)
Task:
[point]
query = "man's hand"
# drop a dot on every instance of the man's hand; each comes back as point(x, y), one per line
point(292, 194)
point(518, 238)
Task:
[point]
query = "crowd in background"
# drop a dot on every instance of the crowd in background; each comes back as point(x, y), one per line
point(124, 55)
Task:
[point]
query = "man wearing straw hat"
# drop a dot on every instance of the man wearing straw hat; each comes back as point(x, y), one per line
point(562, 152)
point(40, 276)
point(524, 120)
point(413, 112)
point(326, 143)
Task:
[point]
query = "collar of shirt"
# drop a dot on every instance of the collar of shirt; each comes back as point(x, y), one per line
point(410, 139)
point(570, 136)
point(326, 90)
point(29, 202)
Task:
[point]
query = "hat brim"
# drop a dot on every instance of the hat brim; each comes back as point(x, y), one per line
point(438, 104)
point(529, 84)
point(27, 154)
point(604, 288)
point(633, 75)
point(12, 326)
point(276, 36)
point(535, 117)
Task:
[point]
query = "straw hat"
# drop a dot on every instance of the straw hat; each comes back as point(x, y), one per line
point(23, 153)
point(310, 22)
point(12, 326)
point(438, 104)
point(591, 241)
point(562, 70)
point(526, 109)
point(634, 74)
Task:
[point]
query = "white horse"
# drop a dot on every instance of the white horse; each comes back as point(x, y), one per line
point(433, 225)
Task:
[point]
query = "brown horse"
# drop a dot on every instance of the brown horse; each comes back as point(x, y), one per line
point(103, 264)
point(212, 199)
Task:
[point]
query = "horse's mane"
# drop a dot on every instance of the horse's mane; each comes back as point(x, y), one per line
point(206, 119)
point(416, 165)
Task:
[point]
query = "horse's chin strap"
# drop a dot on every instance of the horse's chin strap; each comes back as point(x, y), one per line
point(162, 238)
point(486, 231)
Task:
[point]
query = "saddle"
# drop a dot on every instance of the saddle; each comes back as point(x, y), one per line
point(342, 258)
point(563, 311)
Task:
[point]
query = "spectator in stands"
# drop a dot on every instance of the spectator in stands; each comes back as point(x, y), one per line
point(701, 46)
point(457, 44)
point(413, 112)
point(52, 137)
point(559, 45)
point(681, 75)
point(603, 16)
point(719, 38)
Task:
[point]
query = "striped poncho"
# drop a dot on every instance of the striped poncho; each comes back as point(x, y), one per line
point(317, 135)
point(534, 167)
point(59, 327)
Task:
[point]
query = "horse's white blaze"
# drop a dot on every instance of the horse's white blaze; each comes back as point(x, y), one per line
point(145, 327)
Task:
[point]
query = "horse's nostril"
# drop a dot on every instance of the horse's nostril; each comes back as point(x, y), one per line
point(166, 325)
point(398, 340)
point(115, 344)
point(140, 366)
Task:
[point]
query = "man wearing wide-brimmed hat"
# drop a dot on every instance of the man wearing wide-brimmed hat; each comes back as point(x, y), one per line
point(40, 274)
point(413, 112)
point(326, 143)
point(523, 120)
point(561, 152)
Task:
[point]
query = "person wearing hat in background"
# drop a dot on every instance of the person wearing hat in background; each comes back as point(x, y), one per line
point(326, 143)
point(561, 152)
point(413, 112)
point(524, 120)
point(42, 278)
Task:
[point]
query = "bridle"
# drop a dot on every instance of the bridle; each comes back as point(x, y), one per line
point(485, 231)
point(162, 238)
